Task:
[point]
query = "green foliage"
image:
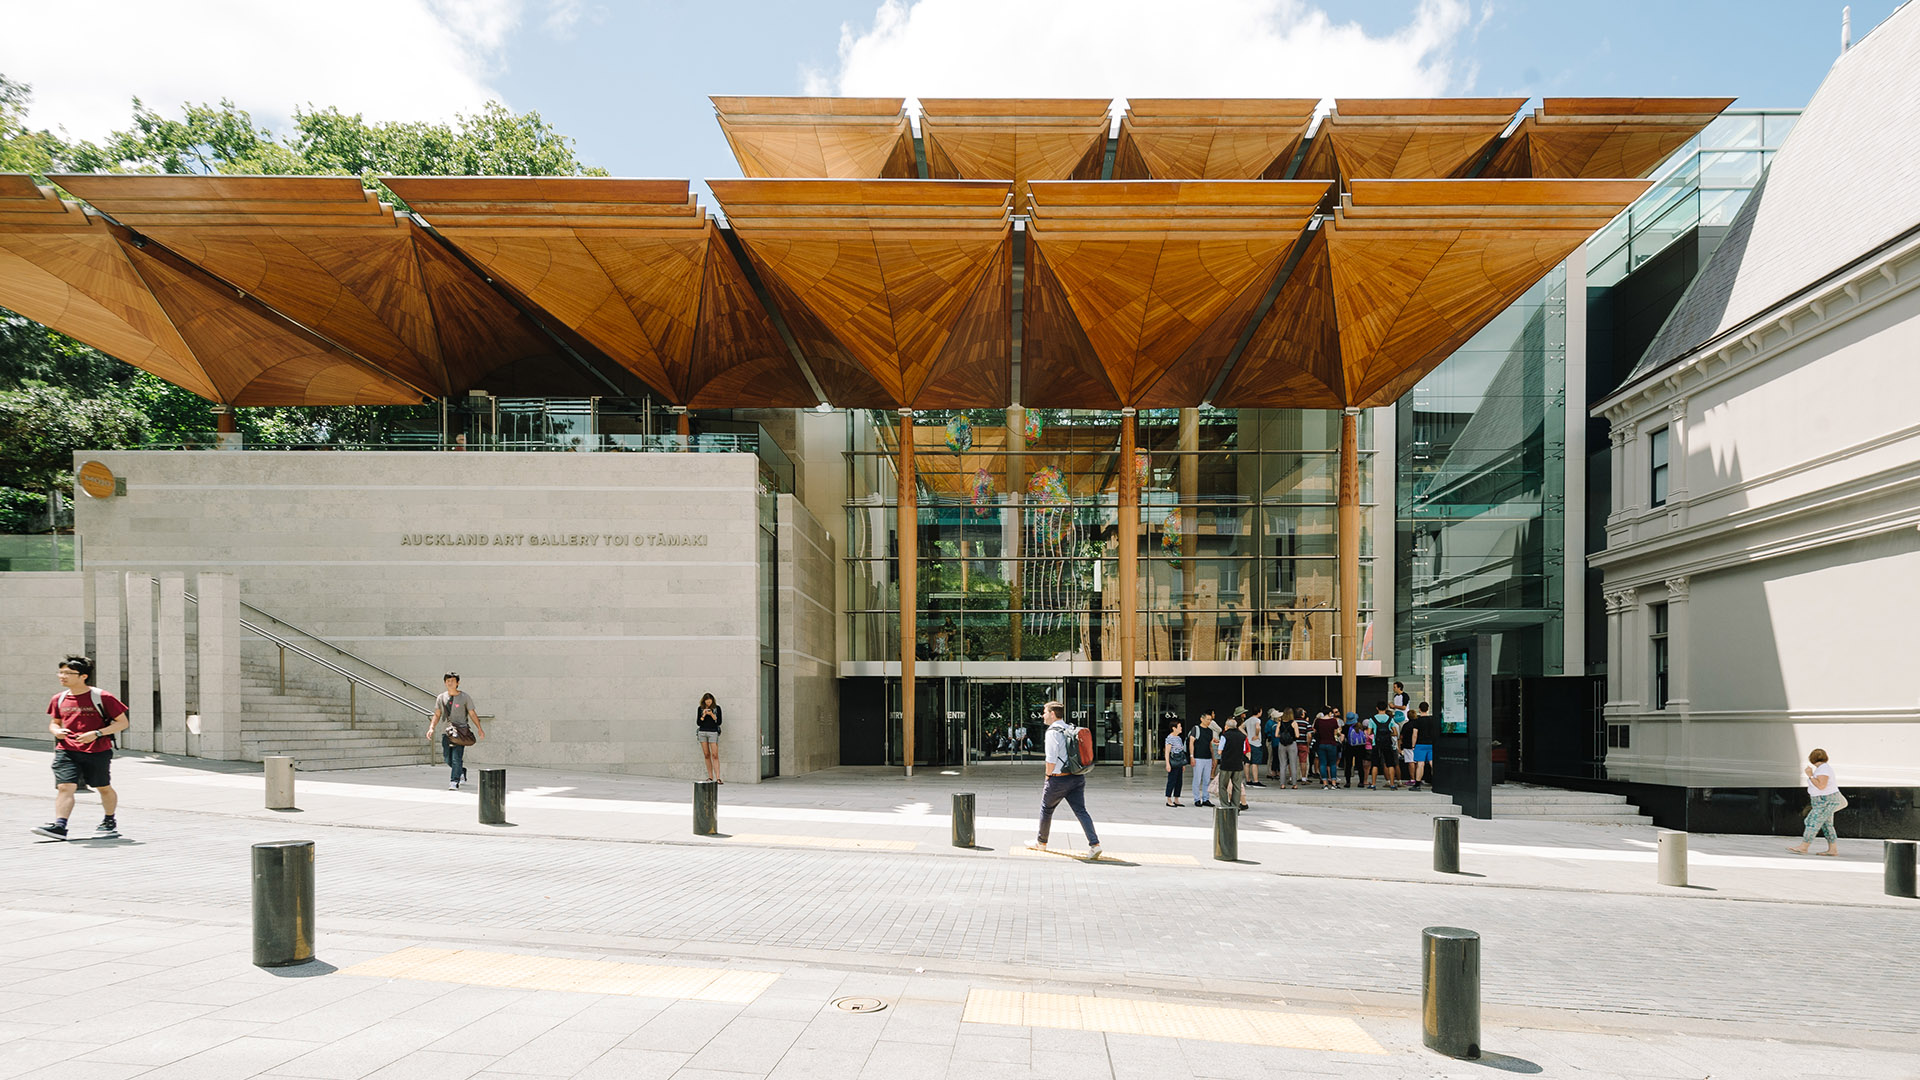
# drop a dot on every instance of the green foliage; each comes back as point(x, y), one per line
point(42, 426)
point(21, 511)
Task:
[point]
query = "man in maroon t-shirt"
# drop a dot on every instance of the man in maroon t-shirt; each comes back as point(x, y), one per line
point(83, 730)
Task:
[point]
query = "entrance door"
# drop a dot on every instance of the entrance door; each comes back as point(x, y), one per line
point(1004, 719)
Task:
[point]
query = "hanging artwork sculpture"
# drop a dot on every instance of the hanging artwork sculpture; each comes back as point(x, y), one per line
point(982, 495)
point(1030, 430)
point(960, 434)
point(1142, 470)
point(1170, 537)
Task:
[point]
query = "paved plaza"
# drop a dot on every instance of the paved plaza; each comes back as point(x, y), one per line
point(597, 936)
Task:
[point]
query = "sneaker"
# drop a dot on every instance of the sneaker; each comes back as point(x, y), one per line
point(53, 829)
point(453, 785)
point(1037, 845)
point(1093, 852)
point(107, 828)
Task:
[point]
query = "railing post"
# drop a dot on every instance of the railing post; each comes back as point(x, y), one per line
point(283, 671)
point(353, 703)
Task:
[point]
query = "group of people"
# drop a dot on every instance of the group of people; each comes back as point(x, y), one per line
point(1393, 745)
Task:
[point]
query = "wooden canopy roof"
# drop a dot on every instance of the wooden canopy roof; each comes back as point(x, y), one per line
point(822, 137)
point(633, 267)
point(1408, 226)
point(1210, 138)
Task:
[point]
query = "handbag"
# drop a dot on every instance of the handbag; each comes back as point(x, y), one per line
point(459, 734)
point(1180, 759)
point(1842, 804)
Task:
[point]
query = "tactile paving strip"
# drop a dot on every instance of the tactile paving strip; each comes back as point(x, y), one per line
point(1208, 1023)
point(475, 968)
point(1148, 858)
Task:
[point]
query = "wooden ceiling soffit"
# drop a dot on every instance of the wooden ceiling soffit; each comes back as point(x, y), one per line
point(1404, 274)
point(818, 137)
point(886, 275)
point(1210, 138)
point(64, 268)
point(1156, 271)
point(1405, 138)
point(330, 256)
point(1017, 139)
point(633, 268)
point(1058, 367)
point(1597, 138)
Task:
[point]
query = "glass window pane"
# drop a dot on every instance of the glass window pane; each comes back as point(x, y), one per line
point(1730, 169)
point(1719, 207)
point(1732, 130)
point(1775, 126)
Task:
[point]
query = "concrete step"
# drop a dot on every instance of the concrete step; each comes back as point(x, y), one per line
point(1588, 819)
point(1572, 798)
point(318, 764)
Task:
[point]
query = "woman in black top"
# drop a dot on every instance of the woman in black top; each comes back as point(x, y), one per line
point(706, 724)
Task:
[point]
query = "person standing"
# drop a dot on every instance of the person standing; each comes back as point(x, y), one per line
point(1285, 756)
point(463, 727)
point(1423, 727)
point(1410, 744)
point(1824, 792)
point(1400, 700)
point(706, 729)
point(1257, 747)
point(1175, 755)
point(1326, 748)
point(1201, 744)
point(1064, 781)
point(1230, 759)
point(83, 722)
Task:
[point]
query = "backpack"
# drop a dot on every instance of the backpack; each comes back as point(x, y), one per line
point(1079, 750)
point(1356, 736)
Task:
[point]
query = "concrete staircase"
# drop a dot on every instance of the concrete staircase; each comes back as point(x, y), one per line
point(1525, 802)
point(311, 722)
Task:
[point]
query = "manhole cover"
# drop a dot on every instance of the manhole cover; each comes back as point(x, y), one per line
point(859, 1004)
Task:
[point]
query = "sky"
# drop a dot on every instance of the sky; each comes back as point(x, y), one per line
point(629, 81)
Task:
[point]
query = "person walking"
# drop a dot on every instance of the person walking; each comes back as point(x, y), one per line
point(1230, 761)
point(1285, 756)
point(83, 722)
point(463, 727)
point(1175, 756)
point(1257, 743)
point(1824, 791)
point(1326, 748)
point(706, 728)
point(1201, 745)
point(1064, 780)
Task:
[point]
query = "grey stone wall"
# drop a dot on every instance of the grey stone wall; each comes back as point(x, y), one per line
point(587, 599)
point(809, 690)
point(42, 618)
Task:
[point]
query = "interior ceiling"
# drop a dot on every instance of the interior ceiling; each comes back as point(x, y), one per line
point(1217, 247)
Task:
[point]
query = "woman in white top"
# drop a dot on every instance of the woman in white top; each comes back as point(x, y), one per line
point(1825, 793)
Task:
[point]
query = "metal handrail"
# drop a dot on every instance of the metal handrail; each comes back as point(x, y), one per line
point(353, 680)
point(338, 649)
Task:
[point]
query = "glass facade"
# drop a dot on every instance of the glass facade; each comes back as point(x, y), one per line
point(1480, 499)
point(1019, 536)
point(1703, 183)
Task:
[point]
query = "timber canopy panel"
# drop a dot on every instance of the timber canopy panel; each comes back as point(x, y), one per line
point(818, 137)
point(1210, 138)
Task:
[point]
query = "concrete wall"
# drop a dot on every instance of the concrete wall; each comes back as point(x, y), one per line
point(600, 595)
point(809, 689)
point(43, 617)
point(1786, 554)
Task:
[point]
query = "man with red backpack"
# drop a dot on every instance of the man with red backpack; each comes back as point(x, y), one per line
point(1069, 756)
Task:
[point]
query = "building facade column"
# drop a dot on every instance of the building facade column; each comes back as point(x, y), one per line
point(1677, 459)
point(1013, 534)
point(1349, 559)
point(219, 666)
point(1129, 567)
point(170, 646)
point(1633, 649)
point(682, 421)
point(139, 699)
point(1679, 686)
point(907, 532)
point(1189, 446)
point(1627, 481)
point(1616, 692)
point(109, 598)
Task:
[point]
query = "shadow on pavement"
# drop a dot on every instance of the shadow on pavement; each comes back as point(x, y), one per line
point(312, 969)
point(1506, 1063)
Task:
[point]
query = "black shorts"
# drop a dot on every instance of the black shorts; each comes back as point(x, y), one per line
point(1385, 757)
point(69, 767)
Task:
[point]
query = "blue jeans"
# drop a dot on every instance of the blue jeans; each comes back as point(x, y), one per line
point(1073, 788)
point(1202, 778)
point(1325, 753)
point(456, 757)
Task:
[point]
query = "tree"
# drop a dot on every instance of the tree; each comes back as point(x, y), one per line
point(42, 426)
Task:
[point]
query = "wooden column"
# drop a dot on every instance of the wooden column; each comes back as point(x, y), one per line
point(1129, 567)
point(907, 530)
point(1189, 444)
point(223, 419)
point(1016, 533)
point(1349, 537)
point(683, 421)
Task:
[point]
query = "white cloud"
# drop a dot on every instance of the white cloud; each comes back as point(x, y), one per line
point(389, 59)
point(1146, 48)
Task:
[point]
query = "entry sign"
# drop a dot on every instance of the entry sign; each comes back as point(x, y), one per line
point(96, 480)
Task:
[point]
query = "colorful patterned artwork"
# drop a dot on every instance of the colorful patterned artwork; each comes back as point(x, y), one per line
point(1031, 429)
point(960, 434)
point(982, 495)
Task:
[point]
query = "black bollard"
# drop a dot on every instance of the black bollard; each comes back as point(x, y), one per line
point(706, 808)
point(1899, 870)
point(963, 819)
point(1226, 833)
point(1446, 845)
point(1450, 990)
point(493, 796)
point(282, 903)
